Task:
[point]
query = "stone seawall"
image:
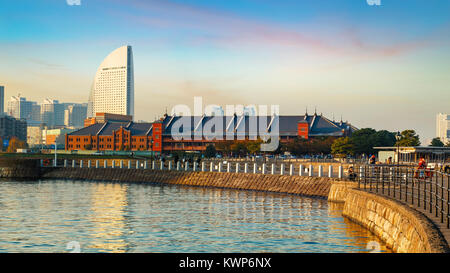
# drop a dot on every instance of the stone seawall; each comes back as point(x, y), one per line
point(300, 185)
point(404, 230)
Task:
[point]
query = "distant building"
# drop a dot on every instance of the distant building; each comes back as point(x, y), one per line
point(52, 113)
point(2, 99)
point(12, 127)
point(50, 135)
point(107, 117)
point(113, 86)
point(443, 127)
point(74, 115)
point(20, 108)
point(34, 135)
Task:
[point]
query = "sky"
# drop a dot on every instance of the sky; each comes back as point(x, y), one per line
point(384, 67)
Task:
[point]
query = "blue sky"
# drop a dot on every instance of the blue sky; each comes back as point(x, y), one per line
point(384, 66)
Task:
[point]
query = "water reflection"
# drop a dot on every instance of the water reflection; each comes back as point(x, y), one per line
point(115, 217)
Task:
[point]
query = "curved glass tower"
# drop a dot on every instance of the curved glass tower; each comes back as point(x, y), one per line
point(113, 88)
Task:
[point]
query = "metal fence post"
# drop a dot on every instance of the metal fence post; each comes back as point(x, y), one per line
point(237, 167)
point(330, 171)
point(311, 170)
point(97, 164)
point(320, 172)
point(300, 170)
point(273, 168)
point(263, 168)
point(341, 172)
point(291, 170)
point(282, 169)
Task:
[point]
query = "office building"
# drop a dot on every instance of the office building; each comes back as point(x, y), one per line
point(443, 127)
point(113, 87)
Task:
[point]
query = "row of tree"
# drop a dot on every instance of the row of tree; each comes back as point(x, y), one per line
point(437, 142)
point(361, 142)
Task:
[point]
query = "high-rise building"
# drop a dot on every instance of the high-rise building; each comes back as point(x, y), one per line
point(52, 113)
point(113, 87)
point(19, 107)
point(443, 127)
point(11, 127)
point(2, 99)
point(74, 115)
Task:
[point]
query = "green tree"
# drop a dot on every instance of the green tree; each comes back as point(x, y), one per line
point(436, 142)
point(253, 146)
point(408, 138)
point(210, 151)
point(342, 147)
point(363, 140)
point(239, 147)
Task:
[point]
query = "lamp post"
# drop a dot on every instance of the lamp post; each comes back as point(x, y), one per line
point(398, 136)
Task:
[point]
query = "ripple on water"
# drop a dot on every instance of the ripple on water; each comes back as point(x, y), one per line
point(111, 217)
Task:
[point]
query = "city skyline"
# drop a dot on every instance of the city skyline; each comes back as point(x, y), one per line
point(371, 64)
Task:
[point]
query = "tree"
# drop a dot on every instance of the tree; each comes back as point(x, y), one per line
point(210, 151)
point(436, 142)
point(14, 144)
point(342, 147)
point(408, 138)
point(364, 140)
point(254, 146)
point(239, 148)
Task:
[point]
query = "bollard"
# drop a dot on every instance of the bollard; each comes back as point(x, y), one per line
point(195, 167)
point(263, 168)
point(170, 165)
point(161, 165)
point(145, 164)
point(273, 168)
point(81, 163)
point(121, 164)
point(291, 170)
point(203, 166)
point(113, 165)
point(129, 164)
point(300, 170)
point(228, 167)
point(97, 164)
point(311, 170)
point(186, 166)
point(137, 164)
point(255, 168)
point(211, 167)
point(320, 173)
point(105, 164)
point(246, 168)
point(237, 167)
point(73, 163)
point(89, 164)
point(220, 167)
point(330, 171)
point(65, 163)
point(153, 165)
point(341, 172)
point(282, 169)
point(178, 165)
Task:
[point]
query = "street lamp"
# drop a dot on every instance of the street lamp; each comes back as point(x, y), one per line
point(398, 136)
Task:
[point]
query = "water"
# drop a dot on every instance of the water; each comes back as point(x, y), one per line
point(111, 217)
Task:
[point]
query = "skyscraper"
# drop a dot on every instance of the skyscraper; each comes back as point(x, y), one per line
point(443, 127)
point(113, 87)
point(19, 107)
point(75, 115)
point(2, 99)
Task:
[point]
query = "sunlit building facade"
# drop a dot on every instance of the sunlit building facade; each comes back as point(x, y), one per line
point(113, 87)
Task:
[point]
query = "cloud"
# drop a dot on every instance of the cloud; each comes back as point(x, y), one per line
point(203, 25)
